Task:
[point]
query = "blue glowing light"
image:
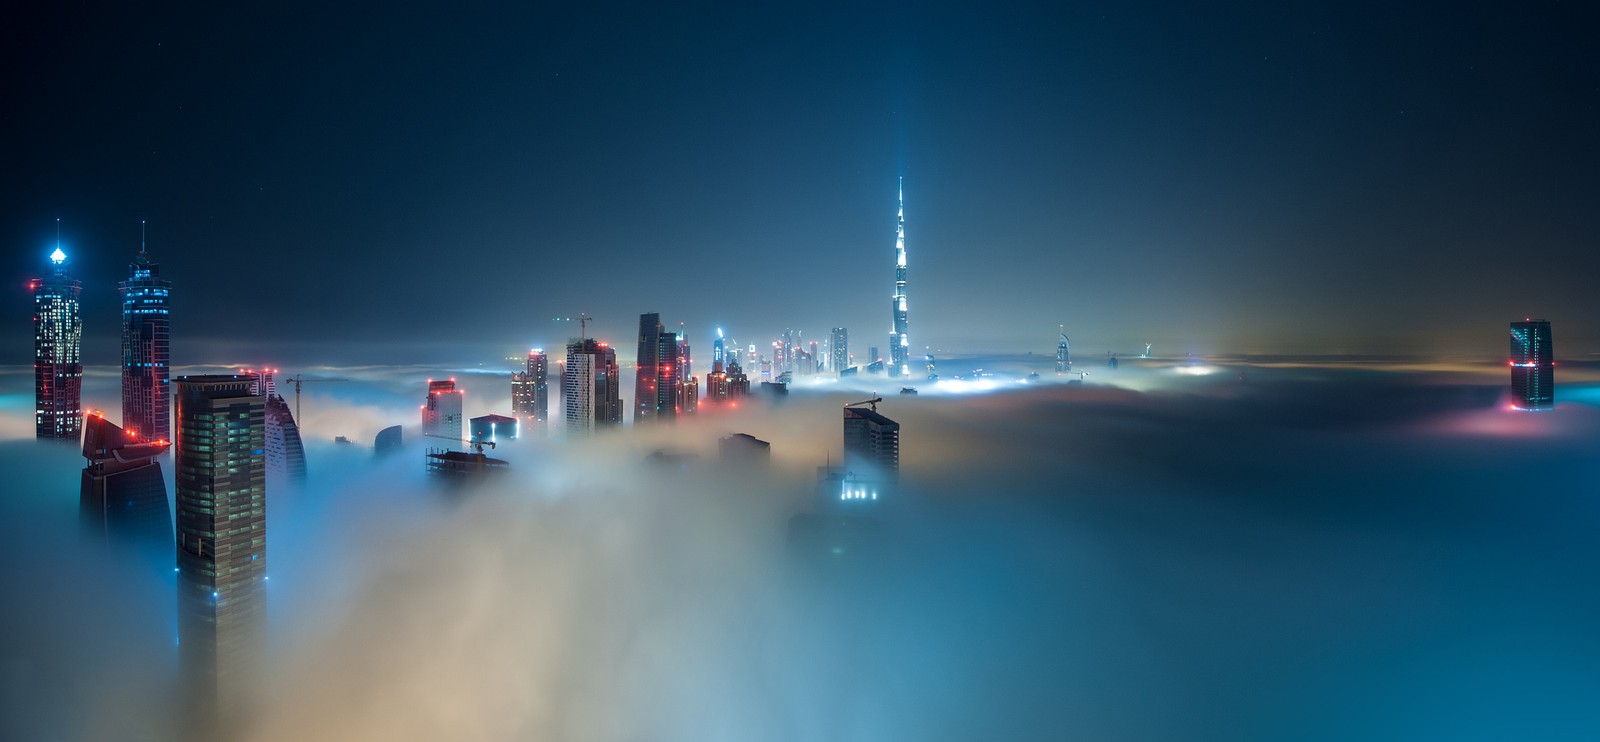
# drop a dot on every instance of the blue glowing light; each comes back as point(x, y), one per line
point(58, 257)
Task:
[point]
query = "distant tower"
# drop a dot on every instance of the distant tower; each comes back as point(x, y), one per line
point(441, 411)
point(899, 343)
point(530, 389)
point(1533, 380)
point(839, 349)
point(57, 350)
point(933, 372)
point(685, 360)
point(123, 499)
point(647, 361)
point(146, 395)
point(719, 353)
point(286, 453)
point(590, 387)
point(220, 468)
point(1063, 353)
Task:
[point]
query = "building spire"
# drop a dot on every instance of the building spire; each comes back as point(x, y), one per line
point(141, 237)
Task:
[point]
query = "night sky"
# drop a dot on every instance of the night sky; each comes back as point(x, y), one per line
point(1327, 178)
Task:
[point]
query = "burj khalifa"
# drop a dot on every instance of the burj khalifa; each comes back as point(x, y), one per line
point(899, 344)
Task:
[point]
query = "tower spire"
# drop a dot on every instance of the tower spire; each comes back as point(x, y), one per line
point(141, 237)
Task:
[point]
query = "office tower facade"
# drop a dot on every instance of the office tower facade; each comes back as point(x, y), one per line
point(441, 411)
point(220, 466)
point(899, 340)
point(1063, 353)
point(590, 387)
point(719, 352)
point(646, 363)
point(57, 352)
point(530, 389)
point(1533, 379)
point(871, 445)
point(123, 497)
point(689, 395)
point(146, 394)
point(737, 384)
point(838, 350)
point(286, 453)
point(667, 377)
point(685, 359)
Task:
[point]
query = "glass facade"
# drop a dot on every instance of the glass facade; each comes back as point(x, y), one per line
point(57, 352)
point(1533, 373)
point(145, 364)
point(590, 387)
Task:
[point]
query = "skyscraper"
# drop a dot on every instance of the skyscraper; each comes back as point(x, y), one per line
point(220, 466)
point(871, 445)
point(719, 353)
point(57, 351)
point(839, 350)
point(646, 363)
point(123, 498)
point(689, 395)
point(145, 393)
point(590, 387)
point(1533, 379)
point(899, 343)
point(1063, 353)
point(667, 378)
point(441, 411)
point(286, 453)
point(530, 389)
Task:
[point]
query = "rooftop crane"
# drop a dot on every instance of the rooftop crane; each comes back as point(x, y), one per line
point(297, 381)
point(874, 402)
point(477, 444)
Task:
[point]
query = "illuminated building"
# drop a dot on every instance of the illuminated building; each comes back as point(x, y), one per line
point(530, 389)
point(647, 362)
point(286, 452)
point(716, 385)
point(1533, 380)
point(818, 361)
point(688, 396)
point(388, 440)
point(933, 373)
point(719, 356)
point(441, 411)
point(1063, 353)
point(123, 498)
point(57, 351)
point(665, 385)
point(899, 342)
point(839, 350)
point(685, 361)
point(738, 384)
point(743, 448)
point(493, 427)
point(874, 358)
point(871, 445)
point(146, 396)
point(590, 387)
point(220, 465)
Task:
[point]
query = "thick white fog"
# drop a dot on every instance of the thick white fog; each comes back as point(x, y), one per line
point(1277, 550)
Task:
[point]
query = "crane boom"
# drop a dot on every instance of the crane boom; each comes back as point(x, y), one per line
point(874, 402)
point(297, 380)
point(477, 444)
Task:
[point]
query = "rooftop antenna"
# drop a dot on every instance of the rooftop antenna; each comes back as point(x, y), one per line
point(141, 236)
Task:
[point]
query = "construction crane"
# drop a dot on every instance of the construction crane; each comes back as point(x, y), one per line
point(874, 402)
point(297, 381)
point(477, 444)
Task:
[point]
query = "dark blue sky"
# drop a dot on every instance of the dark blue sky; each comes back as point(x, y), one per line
point(1232, 178)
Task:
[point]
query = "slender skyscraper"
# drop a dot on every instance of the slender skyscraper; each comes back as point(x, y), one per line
point(646, 363)
point(145, 393)
point(530, 389)
point(220, 466)
point(899, 343)
point(839, 350)
point(57, 351)
point(667, 378)
point(589, 387)
point(1533, 373)
point(1063, 353)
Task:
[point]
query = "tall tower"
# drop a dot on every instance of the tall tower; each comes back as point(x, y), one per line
point(1063, 353)
point(145, 370)
point(1533, 374)
point(646, 361)
point(441, 411)
point(839, 350)
point(666, 377)
point(57, 350)
point(590, 388)
point(220, 468)
point(899, 343)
